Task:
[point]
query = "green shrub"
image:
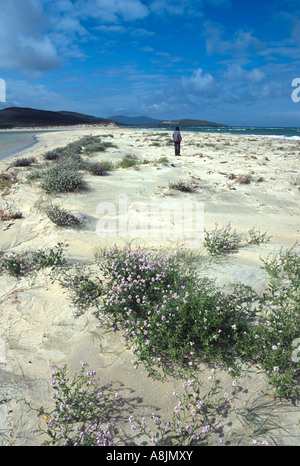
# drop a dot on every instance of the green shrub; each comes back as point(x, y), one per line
point(62, 178)
point(80, 407)
point(18, 265)
point(61, 217)
point(13, 264)
point(128, 161)
point(23, 162)
point(181, 185)
point(222, 240)
point(159, 306)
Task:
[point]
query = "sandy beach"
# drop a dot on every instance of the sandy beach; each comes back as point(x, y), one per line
point(37, 327)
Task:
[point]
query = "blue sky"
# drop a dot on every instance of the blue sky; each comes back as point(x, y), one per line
point(229, 61)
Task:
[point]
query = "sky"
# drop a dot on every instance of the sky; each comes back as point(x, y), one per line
point(235, 62)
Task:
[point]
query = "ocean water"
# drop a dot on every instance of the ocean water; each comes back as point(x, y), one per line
point(282, 133)
point(12, 142)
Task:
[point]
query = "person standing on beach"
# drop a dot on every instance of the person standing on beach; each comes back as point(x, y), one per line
point(177, 139)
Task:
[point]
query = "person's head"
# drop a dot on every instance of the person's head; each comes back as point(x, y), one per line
point(177, 128)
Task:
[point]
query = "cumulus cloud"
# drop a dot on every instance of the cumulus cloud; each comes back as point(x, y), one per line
point(199, 83)
point(236, 72)
point(36, 34)
point(241, 43)
point(25, 45)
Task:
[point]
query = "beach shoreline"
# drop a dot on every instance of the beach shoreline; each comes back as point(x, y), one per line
point(37, 326)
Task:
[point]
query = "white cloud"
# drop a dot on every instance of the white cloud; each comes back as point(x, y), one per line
point(236, 72)
point(243, 42)
point(199, 83)
point(111, 11)
point(20, 91)
point(24, 44)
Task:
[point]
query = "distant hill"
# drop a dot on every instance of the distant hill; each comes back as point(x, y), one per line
point(18, 117)
point(143, 120)
point(125, 120)
point(189, 123)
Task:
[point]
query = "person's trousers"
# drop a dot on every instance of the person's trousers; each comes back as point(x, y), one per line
point(177, 147)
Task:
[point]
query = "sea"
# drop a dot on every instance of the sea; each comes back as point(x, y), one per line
point(275, 132)
point(14, 141)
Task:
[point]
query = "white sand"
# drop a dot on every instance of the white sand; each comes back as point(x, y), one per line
point(37, 326)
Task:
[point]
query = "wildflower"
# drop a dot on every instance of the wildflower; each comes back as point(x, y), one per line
point(153, 440)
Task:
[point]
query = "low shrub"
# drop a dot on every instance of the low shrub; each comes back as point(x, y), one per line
point(53, 257)
point(128, 161)
point(222, 240)
point(80, 408)
point(18, 265)
point(6, 181)
point(23, 162)
point(62, 178)
point(256, 237)
point(14, 264)
point(61, 217)
point(96, 168)
point(158, 306)
point(181, 185)
point(84, 290)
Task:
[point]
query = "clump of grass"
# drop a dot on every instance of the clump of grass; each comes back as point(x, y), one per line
point(181, 185)
point(128, 161)
point(163, 160)
point(61, 217)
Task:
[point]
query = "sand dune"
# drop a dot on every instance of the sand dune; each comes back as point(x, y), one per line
point(37, 326)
